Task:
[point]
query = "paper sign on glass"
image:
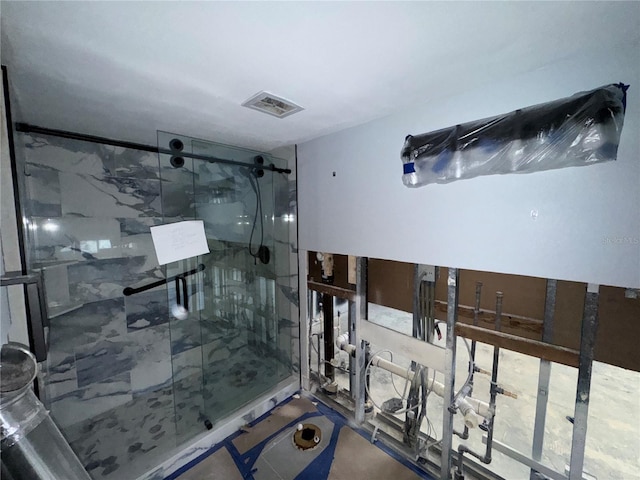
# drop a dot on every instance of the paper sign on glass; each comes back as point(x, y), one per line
point(180, 240)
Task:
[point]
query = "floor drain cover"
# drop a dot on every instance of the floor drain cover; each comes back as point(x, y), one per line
point(307, 436)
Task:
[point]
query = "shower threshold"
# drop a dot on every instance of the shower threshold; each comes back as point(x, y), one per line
point(208, 440)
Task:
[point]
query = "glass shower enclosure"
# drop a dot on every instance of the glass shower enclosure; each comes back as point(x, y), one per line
point(131, 378)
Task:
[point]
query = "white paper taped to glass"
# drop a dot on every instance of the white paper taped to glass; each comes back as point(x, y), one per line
point(180, 240)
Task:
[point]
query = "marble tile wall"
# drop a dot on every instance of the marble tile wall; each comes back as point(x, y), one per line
point(116, 360)
point(111, 441)
point(90, 207)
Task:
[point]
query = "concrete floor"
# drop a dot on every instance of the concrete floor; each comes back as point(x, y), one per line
point(613, 438)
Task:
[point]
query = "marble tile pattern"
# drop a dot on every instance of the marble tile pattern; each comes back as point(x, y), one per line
point(146, 309)
point(109, 442)
point(225, 428)
point(127, 381)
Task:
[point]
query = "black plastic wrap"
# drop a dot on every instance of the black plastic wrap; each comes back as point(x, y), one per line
point(578, 130)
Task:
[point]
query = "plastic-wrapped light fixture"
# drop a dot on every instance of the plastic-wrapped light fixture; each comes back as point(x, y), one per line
point(579, 130)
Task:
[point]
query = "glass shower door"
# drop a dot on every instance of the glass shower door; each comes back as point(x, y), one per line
point(126, 381)
point(230, 348)
point(241, 358)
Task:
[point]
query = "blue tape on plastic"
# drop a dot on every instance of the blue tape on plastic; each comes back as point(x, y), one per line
point(409, 168)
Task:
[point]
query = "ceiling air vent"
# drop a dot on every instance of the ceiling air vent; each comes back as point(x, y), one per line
point(272, 104)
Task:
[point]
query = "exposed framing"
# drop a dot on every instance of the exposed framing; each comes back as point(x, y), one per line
point(453, 284)
point(581, 415)
point(544, 375)
point(546, 351)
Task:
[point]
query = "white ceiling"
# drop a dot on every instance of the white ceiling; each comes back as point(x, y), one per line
point(127, 69)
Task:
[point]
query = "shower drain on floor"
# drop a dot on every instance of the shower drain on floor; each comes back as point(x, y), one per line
point(307, 436)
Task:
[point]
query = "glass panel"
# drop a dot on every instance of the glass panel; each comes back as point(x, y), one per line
point(108, 373)
point(240, 353)
point(178, 191)
point(230, 348)
point(124, 378)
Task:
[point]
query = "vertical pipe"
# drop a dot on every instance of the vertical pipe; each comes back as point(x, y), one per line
point(352, 278)
point(327, 314)
point(543, 377)
point(450, 371)
point(417, 303)
point(476, 313)
point(319, 358)
point(431, 310)
point(423, 303)
point(494, 377)
point(494, 390)
point(585, 364)
point(352, 340)
point(361, 315)
point(472, 356)
point(424, 309)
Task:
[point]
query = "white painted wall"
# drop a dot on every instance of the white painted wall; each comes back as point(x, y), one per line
point(588, 224)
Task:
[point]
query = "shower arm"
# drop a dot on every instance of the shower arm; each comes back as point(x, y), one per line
point(132, 291)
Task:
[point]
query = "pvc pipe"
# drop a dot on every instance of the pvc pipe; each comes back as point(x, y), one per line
point(471, 418)
point(470, 407)
point(342, 342)
point(482, 408)
point(465, 404)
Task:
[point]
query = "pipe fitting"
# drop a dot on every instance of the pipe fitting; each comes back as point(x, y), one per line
point(470, 407)
point(342, 342)
point(471, 418)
